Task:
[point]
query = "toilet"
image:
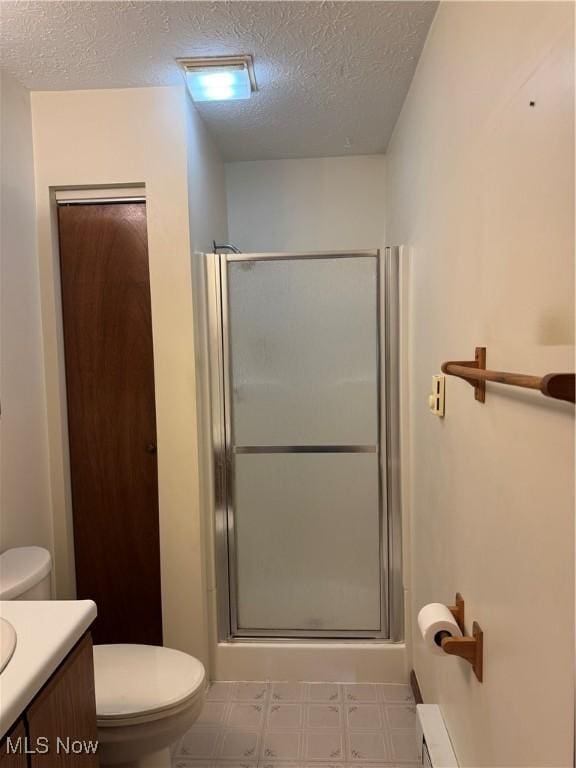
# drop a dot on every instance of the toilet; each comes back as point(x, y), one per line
point(147, 696)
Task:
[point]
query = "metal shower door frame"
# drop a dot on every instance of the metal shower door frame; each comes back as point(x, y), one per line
point(388, 448)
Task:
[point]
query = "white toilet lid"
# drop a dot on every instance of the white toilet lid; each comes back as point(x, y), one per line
point(134, 680)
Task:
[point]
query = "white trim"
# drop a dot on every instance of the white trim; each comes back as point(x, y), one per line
point(77, 194)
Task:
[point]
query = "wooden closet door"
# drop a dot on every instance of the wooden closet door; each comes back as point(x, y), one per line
point(111, 417)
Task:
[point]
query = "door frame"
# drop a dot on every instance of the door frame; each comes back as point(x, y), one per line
point(390, 529)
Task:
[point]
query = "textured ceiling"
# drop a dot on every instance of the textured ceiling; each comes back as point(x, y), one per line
point(332, 76)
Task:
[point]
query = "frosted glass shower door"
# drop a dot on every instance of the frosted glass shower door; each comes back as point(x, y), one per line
point(304, 506)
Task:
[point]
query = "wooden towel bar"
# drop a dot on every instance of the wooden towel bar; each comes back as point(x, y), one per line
point(560, 386)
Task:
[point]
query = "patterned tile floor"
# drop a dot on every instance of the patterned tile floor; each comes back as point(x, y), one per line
point(297, 725)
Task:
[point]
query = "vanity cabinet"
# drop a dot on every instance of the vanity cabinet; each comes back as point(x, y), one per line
point(9, 759)
point(60, 722)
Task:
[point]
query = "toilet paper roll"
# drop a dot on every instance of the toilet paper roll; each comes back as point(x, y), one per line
point(435, 618)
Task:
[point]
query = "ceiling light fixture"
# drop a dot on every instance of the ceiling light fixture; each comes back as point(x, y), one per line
point(219, 78)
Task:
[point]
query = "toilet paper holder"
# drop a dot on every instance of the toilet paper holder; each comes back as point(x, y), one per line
point(469, 648)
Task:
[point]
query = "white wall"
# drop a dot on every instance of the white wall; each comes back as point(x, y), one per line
point(480, 186)
point(24, 485)
point(150, 136)
point(208, 222)
point(319, 204)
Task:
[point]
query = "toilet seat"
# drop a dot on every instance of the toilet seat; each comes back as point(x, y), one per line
point(142, 683)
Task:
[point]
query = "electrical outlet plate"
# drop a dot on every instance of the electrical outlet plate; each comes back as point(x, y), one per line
point(436, 397)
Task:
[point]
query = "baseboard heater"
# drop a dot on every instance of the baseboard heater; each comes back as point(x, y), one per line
point(436, 747)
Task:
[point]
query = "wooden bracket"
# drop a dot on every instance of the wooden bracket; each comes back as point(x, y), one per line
point(480, 385)
point(457, 610)
point(479, 362)
point(468, 648)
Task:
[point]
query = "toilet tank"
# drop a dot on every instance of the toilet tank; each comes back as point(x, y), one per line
point(25, 574)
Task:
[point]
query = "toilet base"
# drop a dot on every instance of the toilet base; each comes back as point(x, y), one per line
point(160, 759)
point(147, 744)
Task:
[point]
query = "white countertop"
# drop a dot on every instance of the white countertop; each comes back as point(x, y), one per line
point(47, 630)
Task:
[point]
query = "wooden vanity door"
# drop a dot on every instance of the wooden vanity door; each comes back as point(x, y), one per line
point(66, 708)
point(18, 759)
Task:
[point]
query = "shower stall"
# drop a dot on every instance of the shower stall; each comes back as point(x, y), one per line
point(304, 391)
